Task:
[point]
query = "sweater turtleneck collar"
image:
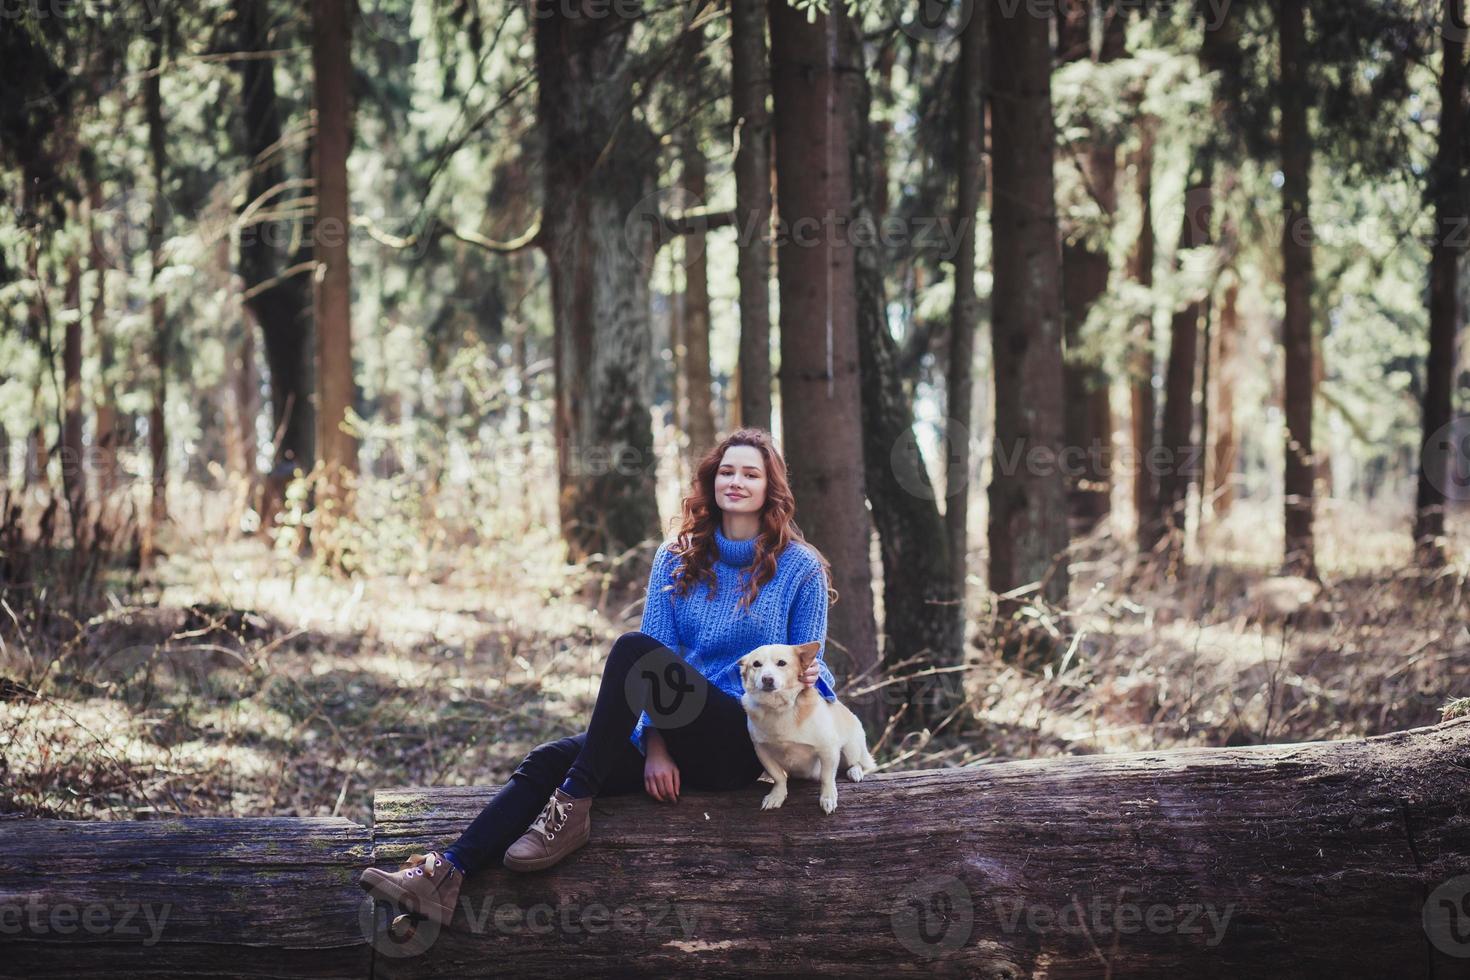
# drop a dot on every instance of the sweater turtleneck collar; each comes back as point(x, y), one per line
point(735, 553)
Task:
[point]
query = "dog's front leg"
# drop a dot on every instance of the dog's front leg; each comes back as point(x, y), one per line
point(828, 799)
point(777, 772)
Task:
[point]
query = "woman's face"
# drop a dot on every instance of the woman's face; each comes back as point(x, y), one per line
point(740, 482)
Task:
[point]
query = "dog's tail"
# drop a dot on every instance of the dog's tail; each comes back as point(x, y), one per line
point(860, 762)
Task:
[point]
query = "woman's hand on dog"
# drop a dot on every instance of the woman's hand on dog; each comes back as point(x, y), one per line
point(660, 775)
point(810, 675)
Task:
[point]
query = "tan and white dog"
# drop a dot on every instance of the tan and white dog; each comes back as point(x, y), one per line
point(795, 730)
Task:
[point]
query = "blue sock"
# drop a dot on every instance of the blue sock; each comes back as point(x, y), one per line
point(449, 856)
point(574, 787)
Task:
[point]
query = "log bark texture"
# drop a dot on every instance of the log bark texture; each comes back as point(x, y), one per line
point(201, 897)
point(1342, 859)
point(1305, 860)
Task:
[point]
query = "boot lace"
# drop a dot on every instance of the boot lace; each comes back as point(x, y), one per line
point(420, 864)
point(553, 817)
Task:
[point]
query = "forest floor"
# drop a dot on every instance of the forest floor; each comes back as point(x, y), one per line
point(232, 681)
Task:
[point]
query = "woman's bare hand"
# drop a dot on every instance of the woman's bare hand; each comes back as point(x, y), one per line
point(660, 774)
point(810, 675)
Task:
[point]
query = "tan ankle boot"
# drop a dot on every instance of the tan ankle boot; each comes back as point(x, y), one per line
point(427, 885)
point(564, 825)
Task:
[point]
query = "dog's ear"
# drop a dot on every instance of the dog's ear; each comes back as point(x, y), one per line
point(807, 652)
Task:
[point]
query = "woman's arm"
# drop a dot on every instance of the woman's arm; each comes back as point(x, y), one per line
point(808, 621)
point(659, 623)
point(658, 605)
point(660, 774)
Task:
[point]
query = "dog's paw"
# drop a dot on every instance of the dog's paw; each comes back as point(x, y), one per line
point(773, 799)
point(855, 773)
point(828, 801)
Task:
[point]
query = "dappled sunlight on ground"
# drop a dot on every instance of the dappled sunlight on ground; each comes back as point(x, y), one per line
point(239, 681)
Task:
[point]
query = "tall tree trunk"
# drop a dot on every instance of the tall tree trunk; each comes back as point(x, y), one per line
point(1206, 366)
point(38, 450)
point(923, 617)
point(162, 342)
point(693, 179)
point(750, 87)
point(331, 58)
point(244, 385)
point(73, 462)
point(1144, 407)
point(1028, 490)
point(1179, 463)
point(277, 294)
point(598, 166)
point(965, 313)
point(701, 421)
point(1450, 212)
point(821, 412)
point(1222, 445)
point(1296, 260)
point(104, 450)
point(1085, 272)
point(679, 349)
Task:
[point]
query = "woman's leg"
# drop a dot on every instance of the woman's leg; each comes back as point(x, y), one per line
point(714, 752)
point(641, 674)
point(506, 817)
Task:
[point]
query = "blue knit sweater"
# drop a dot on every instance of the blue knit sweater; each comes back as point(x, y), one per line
point(711, 633)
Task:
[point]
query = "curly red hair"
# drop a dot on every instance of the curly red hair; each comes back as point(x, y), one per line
point(695, 541)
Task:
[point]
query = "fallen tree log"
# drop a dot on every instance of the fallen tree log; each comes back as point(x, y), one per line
point(1307, 860)
point(1347, 859)
point(205, 897)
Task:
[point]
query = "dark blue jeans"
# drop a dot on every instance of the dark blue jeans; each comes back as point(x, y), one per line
point(703, 727)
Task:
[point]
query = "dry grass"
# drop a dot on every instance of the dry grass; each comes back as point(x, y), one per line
point(235, 680)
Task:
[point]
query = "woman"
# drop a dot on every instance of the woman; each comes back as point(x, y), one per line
point(739, 575)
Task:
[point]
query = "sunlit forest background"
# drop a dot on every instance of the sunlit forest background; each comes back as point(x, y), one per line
point(356, 357)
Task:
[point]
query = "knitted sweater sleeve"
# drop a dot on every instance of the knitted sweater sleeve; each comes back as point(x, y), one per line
point(808, 621)
point(658, 622)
